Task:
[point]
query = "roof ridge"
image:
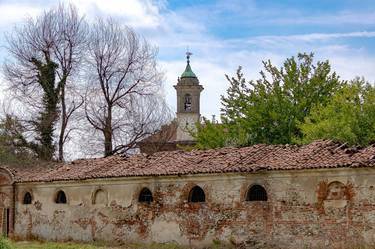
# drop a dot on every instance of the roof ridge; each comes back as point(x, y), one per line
point(320, 154)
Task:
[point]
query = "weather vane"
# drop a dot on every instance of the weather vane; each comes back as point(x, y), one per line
point(188, 54)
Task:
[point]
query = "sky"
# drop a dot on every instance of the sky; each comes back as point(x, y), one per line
point(223, 35)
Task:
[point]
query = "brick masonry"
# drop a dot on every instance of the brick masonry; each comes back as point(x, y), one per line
point(326, 208)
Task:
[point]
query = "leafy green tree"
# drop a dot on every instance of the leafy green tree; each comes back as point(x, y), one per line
point(210, 135)
point(14, 148)
point(269, 109)
point(349, 116)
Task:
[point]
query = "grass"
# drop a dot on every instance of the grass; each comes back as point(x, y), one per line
point(9, 244)
point(157, 246)
point(49, 245)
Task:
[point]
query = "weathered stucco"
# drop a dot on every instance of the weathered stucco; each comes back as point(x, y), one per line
point(6, 203)
point(328, 208)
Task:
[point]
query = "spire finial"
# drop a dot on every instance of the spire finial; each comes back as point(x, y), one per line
point(188, 54)
point(188, 73)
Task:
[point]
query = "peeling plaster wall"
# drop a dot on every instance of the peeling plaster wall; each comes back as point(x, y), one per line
point(6, 203)
point(326, 208)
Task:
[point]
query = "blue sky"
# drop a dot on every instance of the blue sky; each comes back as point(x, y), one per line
point(225, 34)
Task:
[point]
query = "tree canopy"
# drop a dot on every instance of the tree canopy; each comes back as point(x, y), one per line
point(43, 54)
point(121, 103)
point(122, 98)
point(51, 56)
point(270, 109)
point(13, 149)
point(210, 135)
point(348, 117)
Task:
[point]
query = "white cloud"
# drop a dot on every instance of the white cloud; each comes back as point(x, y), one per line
point(211, 74)
point(341, 18)
point(213, 57)
point(311, 37)
point(138, 14)
point(13, 13)
point(349, 67)
point(211, 68)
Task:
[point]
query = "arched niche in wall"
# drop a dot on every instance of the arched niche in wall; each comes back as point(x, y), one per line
point(61, 197)
point(336, 195)
point(256, 193)
point(100, 197)
point(197, 194)
point(145, 196)
point(336, 191)
point(27, 198)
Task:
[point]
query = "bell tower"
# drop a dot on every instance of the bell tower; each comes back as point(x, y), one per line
point(188, 102)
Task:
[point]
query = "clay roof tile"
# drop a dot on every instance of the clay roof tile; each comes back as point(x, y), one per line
point(319, 154)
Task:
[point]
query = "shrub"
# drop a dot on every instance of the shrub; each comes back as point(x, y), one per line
point(4, 244)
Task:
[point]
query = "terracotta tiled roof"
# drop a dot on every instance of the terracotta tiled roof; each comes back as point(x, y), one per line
point(320, 154)
point(166, 134)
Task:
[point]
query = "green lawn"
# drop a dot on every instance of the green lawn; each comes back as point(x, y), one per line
point(8, 244)
point(45, 245)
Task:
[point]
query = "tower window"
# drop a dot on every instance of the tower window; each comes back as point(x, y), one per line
point(60, 197)
point(187, 103)
point(197, 195)
point(27, 199)
point(145, 196)
point(256, 193)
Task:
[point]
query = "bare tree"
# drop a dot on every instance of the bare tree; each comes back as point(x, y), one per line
point(69, 53)
point(45, 52)
point(123, 91)
point(145, 116)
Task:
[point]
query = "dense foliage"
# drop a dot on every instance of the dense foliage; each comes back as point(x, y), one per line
point(270, 109)
point(4, 244)
point(14, 149)
point(209, 135)
point(348, 117)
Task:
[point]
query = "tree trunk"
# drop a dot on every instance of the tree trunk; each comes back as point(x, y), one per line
point(45, 123)
point(107, 143)
point(108, 148)
point(63, 125)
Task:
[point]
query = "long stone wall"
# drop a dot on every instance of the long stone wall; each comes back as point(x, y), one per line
point(313, 208)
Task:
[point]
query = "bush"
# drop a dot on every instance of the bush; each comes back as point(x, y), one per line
point(4, 244)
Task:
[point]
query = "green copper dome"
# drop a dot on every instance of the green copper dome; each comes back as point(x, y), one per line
point(188, 73)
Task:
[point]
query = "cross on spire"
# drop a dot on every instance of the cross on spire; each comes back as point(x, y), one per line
point(188, 73)
point(188, 54)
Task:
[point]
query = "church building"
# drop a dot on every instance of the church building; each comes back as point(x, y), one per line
point(178, 132)
point(319, 195)
point(188, 103)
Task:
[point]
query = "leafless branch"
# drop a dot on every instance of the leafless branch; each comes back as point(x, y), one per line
point(122, 96)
